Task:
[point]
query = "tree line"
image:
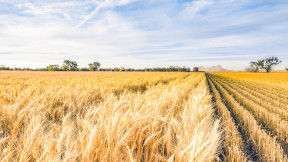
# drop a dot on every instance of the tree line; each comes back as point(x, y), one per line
point(168, 69)
point(69, 65)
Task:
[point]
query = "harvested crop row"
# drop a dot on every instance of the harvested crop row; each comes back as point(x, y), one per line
point(233, 143)
point(260, 91)
point(266, 89)
point(258, 99)
point(267, 147)
point(275, 79)
point(276, 101)
point(270, 120)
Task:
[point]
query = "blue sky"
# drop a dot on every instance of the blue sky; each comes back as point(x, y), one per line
point(143, 33)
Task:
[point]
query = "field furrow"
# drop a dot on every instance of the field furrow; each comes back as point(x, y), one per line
point(259, 99)
point(232, 141)
point(270, 121)
point(267, 147)
point(279, 93)
point(262, 92)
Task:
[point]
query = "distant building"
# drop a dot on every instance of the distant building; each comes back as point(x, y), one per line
point(195, 69)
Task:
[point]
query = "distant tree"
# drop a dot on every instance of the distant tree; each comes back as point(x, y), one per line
point(53, 68)
point(269, 63)
point(115, 69)
point(254, 66)
point(287, 68)
point(3, 67)
point(84, 69)
point(94, 66)
point(26, 69)
point(265, 64)
point(69, 65)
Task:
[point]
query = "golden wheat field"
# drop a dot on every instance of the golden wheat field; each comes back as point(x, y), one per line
point(143, 116)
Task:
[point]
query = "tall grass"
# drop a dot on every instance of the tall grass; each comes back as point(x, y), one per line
point(106, 117)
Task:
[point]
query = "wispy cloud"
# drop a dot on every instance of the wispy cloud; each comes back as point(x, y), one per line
point(194, 7)
point(106, 4)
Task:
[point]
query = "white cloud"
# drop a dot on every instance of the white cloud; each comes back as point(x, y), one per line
point(50, 43)
point(151, 33)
